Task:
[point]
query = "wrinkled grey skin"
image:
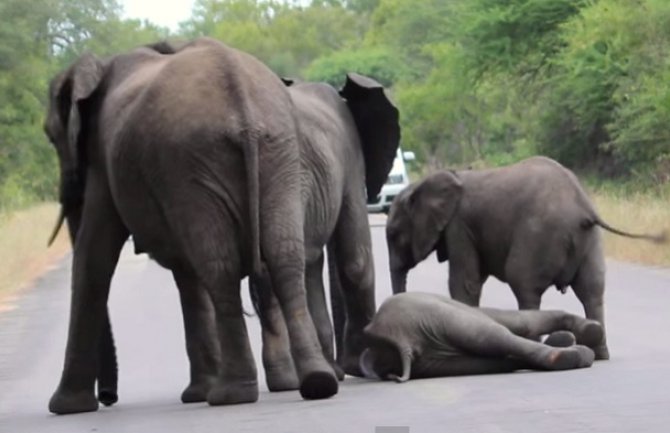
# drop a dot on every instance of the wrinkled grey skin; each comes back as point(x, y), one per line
point(347, 143)
point(529, 224)
point(197, 154)
point(419, 335)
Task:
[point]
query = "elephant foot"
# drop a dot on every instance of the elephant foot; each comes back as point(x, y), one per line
point(354, 345)
point(197, 391)
point(283, 379)
point(63, 402)
point(561, 339)
point(571, 358)
point(230, 392)
point(351, 366)
point(602, 353)
point(107, 396)
point(591, 334)
point(318, 385)
point(339, 372)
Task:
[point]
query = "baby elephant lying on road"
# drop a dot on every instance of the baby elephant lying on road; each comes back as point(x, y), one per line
point(418, 335)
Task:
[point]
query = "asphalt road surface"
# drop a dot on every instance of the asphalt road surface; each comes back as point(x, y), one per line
point(629, 393)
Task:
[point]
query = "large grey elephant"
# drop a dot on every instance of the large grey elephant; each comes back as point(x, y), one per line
point(419, 335)
point(529, 224)
point(348, 140)
point(198, 153)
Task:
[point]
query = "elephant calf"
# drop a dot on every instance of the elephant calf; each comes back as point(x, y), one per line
point(420, 335)
point(528, 224)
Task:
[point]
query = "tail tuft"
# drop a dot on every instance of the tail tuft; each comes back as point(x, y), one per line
point(260, 291)
point(661, 238)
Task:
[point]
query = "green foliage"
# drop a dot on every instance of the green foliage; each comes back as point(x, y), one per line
point(38, 38)
point(586, 82)
point(378, 63)
point(285, 36)
point(407, 26)
point(477, 82)
point(515, 35)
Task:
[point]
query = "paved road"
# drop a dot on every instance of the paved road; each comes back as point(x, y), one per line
point(630, 393)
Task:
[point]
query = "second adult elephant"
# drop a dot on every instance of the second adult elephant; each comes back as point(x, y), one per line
point(529, 224)
point(348, 141)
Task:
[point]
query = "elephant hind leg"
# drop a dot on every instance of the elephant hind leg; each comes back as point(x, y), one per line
point(280, 372)
point(589, 286)
point(351, 248)
point(284, 253)
point(237, 378)
point(436, 366)
point(496, 341)
point(318, 309)
point(570, 358)
point(535, 323)
point(202, 345)
point(336, 303)
point(561, 339)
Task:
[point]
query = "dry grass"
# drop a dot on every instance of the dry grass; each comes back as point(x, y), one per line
point(635, 213)
point(24, 254)
point(23, 250)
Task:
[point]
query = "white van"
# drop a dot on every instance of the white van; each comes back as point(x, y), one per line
point(396, 182)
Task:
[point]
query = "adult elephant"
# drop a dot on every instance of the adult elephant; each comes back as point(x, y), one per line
point(418, 335)
point(529, 224)
point(348, 140)
point(197, 153)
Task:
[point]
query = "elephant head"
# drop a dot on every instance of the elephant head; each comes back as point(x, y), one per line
point(390, 345)
point(69, 93)
point(417, 221)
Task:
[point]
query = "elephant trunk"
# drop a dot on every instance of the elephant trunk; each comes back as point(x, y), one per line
point(366, 364)
point(406, 362)
point(399, 281)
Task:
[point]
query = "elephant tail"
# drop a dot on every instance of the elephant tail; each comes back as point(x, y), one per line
point(260, 287)
point(659, 238)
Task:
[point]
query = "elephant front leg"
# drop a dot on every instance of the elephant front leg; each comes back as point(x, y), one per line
point(465, 277)
point(202, 345)
point(96, 252)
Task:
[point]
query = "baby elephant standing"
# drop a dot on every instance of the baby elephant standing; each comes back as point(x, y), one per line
point(529, 224)
point(418, 335)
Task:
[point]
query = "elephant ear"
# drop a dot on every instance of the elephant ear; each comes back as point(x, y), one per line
point(79, 83)
point(432, 205)
point(378, 128)
point(67, 93)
